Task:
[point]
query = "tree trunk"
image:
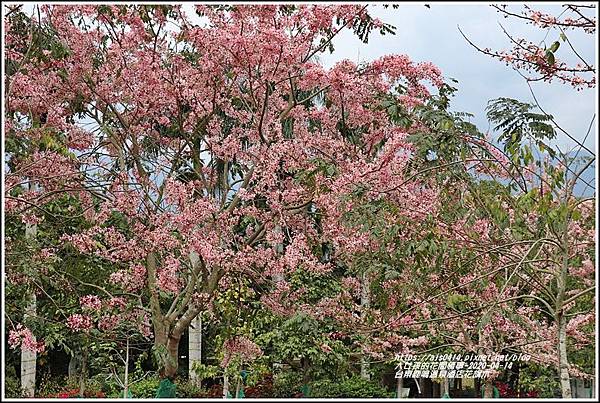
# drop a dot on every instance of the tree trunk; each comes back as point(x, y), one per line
point(306, 376)
point(74, 366)
point(194, 337)
point(563, 363)
point(170, 345)
point(364, 304)
point(561, 320)
point(83, 375)
point(126, 380)
point(225, 384)
point(29, 358)
point(168, 329)
point(195, 349)
point(399, 387)
point(277, 278)
point(173, 349)
point(488, 390)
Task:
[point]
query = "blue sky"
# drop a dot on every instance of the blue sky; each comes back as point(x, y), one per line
point(431, 34)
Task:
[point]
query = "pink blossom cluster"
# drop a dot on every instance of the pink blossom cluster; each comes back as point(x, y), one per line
point(52, 170)
point(586, 269)
point(545, 20)
point(136, 317)
point(78, 322)
point(533, 59)
point(29, 217)
point(90, 302)
point(144, 324)
point(574, 327)
point(106, 242)
point(132, 280)
point(116, 303)
point(83, 242)
point(24, 338)
point(351, 285)
point(277, 300)
point(168, 278)
point(46, 253)
point(108, 322)
point(242, 347)
point(325, 348)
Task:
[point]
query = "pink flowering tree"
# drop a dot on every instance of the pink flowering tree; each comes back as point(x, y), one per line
point(202, 153)
point(497, 268)
point(532, 233)
point(533, 240)
point(556, 57)
point(553, 216)
point(551, 211)
point(21, 337)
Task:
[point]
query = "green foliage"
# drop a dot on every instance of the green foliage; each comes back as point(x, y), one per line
point(517, 122)
point(362, 28)
point(552, 50)
point(287, 384)
point(162, 357)
point(49, 385)
point(204, 371)
point(354, 387)
point(12, 387)
point(43, 38)
point(107, 385)
point(457, 301)
point(298, 340)
point(188, 390)
point(145, 389)
point(543, 380)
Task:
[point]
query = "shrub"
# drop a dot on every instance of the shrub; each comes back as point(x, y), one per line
point(12, 387)
point(262, 388)
point(188, 389)
point(215, 391)
point(52, 385)
point(287, 384)
point(354, 387)
point(146, 388)
point(68, 392)
point(107, 385)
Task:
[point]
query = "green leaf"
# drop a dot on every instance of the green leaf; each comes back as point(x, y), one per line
point(447, 124)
